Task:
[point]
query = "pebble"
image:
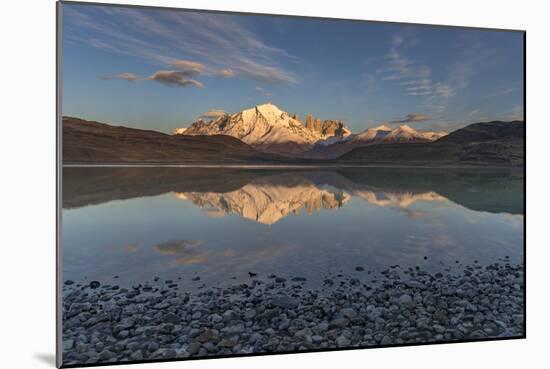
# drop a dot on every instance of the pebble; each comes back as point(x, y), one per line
point(284, 301)
point(108, 325)
point(338, 323)
point(136, 355)
point(386, 340)
point(349, 313)
point(405, 299)
point(193, 348)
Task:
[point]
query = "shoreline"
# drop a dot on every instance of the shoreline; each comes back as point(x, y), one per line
point(286, 166)
point(270, 314)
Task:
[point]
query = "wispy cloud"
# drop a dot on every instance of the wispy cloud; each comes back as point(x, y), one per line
point(398, 68)
point(263, 91)
point(416, 78)
point(190, 41)
point(174, 78)
point(130, 77)
point(506, 91)
point(227, 73)
point(169, 78)
point(472, 113)
point(412, 118)
point(213, 114)
point(472, 58)
point(516, 113)
point(188, 66)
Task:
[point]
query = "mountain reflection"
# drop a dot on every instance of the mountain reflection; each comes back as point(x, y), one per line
point(267, 200)
point(268, 196)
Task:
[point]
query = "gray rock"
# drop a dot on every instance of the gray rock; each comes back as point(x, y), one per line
point(302, 333)
point(321, 328)
point(405, 300)
point(316, 338)
point(250, 313)
point(349, 313)
point(228, 342)
point(517, 319)
point(230, 315)
point(153, 346)
point(386, 340)
point(137, 355)
point(342, 341)
point(81, 348)
point(196, 315)
point(438, 328)
point(215, 318)
point(68, 344)
point(270, 314)
point(284, 301)
point(171, 318)
point(193, 348)
point(234, 329)
point(209, 335)
point(415, 284)
point(106, 355)
point(182, 354)
point(338, 323)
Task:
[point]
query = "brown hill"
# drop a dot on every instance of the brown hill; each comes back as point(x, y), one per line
point(93, 142)
point(492, 143)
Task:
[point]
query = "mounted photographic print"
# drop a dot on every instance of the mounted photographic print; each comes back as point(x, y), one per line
point(238, 184)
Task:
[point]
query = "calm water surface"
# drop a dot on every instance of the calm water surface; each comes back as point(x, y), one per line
point(220, 224)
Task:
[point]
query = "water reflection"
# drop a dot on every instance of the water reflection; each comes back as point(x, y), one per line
point(266, 196)
point(220, 224)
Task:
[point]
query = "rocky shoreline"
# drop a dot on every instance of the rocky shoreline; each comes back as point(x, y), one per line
point(156, 320)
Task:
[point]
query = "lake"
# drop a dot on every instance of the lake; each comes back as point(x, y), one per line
point(128, 225)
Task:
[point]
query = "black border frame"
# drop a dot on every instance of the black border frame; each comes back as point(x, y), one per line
point(59, 174)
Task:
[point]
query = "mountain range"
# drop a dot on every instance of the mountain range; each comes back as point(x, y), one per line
point(373, 136)
point(264, 127)
point(266, 134)
point(269, 129)
point(495, 142)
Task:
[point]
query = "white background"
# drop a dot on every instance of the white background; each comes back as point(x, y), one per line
point(27, 144)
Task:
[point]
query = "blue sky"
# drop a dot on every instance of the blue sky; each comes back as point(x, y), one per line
point(162, 69)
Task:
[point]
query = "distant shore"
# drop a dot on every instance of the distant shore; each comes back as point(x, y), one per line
point(156, 320)
point(286, 166)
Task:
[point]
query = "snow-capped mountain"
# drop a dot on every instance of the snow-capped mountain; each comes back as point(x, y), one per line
point(268, 128)
point(404, 133)
point(373, 136)
point(385, 134)
point(264, 126)
point(180, 131)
